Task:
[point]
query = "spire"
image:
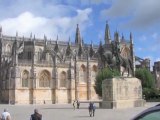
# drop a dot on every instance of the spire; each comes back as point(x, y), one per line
point(0, 31)
point(107, 37)
point(91, 43)
point(57, 38)
point(82, 42)
point(56, 48)
point(16, 34)
point(31, 36)
point(68, 50)
point(23, 38)
point(69, 41)
point(131, 38)
point(45, 40)
point(34, 39)
point(100, 49)
point(122, 36)
point(91, 51)
point(116, 36)
point(78, 36)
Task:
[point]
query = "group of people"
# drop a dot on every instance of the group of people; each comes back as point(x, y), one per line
point(91, 107)
point(6, 115)
point(76, 102)
point(37, 116)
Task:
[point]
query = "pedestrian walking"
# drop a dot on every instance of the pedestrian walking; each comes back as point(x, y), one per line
point(74, 104)
point(5, 115)
point(78, 104)
point(36, 115)
point(91, 109)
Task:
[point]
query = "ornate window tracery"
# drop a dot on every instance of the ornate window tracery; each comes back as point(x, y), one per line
point(8, 48)
point(83, 74)
point(44, 79)
point(25, 78)
point(125, 52)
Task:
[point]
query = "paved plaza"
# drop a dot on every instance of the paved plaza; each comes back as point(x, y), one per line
point(66, 112)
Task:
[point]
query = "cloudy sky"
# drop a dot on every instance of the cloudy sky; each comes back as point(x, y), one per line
point(59, 17)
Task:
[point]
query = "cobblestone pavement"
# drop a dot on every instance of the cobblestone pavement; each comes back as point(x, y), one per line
point(66, 112)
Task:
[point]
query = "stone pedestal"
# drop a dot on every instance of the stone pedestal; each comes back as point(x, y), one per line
point(122, 92)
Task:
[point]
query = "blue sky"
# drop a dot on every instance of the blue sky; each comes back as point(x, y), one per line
point(52, 17)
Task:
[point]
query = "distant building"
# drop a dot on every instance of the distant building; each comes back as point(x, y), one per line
point(142, 63)
point(38, 71)
point(156, 73)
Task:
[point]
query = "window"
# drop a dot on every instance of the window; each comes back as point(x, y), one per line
point(8, 48)
point(39, 54)
point(25, 78)
point(44, 79)
point(29, 55)
point(83, 74)
point(63, 78)
point(151, 116)
point(125, 52)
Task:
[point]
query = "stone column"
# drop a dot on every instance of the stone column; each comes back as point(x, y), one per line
point(33, 77)
point(76, 78)
point(88, 79)
point(72, 81)
point(55, 81)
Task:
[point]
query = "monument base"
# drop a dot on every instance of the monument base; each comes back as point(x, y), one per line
point(122, 104)
point(122, 92)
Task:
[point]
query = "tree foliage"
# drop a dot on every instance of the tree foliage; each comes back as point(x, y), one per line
point(148, 83)
point(105, 73)
point(146, 77)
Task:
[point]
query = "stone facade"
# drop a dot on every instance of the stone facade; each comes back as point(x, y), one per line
point(122, 92)
point(38, 71)
point(156, 73)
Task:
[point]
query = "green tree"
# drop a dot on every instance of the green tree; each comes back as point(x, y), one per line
point(105, 73)
point(148, 83)
point(146, 77)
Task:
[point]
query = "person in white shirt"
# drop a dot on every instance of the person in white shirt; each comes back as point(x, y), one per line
point(5, 115)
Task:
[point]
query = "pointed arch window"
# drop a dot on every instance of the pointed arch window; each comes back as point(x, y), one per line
point(83, 74)
point(63, 79)
point(125, 52)
point(8, 48)
point(44, 79)
point(25, 78)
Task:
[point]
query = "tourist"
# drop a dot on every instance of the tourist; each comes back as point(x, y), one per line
point(36, 115)
point(74, 104)
point(94, 108)
point(91, 109)
point(78, 104)
point(5, 115)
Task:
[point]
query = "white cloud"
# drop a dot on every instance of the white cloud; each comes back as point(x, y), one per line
point(158, 59)
point(26, 22)
point(88, 2)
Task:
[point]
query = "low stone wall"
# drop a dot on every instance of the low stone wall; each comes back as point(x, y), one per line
point(122, 92)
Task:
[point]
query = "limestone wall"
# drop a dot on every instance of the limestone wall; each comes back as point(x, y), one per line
point(122, 92)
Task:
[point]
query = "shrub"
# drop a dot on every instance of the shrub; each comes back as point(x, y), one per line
point(105, 73)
